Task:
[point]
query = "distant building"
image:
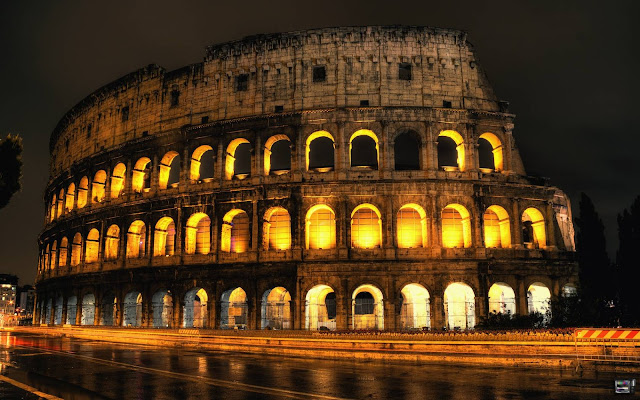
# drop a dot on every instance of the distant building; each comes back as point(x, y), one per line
point(8, 285)
point(26, 296)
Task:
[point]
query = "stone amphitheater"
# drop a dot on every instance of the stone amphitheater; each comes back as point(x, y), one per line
point(327, 179)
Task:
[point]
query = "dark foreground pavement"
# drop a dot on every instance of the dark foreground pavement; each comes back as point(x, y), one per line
point(77, 369)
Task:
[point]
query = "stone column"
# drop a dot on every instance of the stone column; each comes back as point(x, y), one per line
point(507, 148)
point(521, 293)
point(550, 226)
point(516, 226)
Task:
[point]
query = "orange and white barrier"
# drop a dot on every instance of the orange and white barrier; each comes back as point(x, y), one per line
point(607, 334)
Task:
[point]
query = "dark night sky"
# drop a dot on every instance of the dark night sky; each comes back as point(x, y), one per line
point(569, 71)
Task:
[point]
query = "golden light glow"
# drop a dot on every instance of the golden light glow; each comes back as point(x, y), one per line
point(412, 226)
point(456, 227)
point(496, 144)
point(136, 238)
point(362, 319)
point(164, 237)
point(46, 258)
point(98, 187)
point(83, 191)
point(366, 227)
point(277, 229)
point(316, 313)
point(460, 307)
point(60, 203)
point(235, 232)
point(194, 171)
point(368, 133)
point(276, 309)
point(111, 243)
point(92, 246)
point(456, 137)
point(267, 150)
point(233, 311)
point(497, 230)
point(62, 252)
point(118, 180)
point(140, 179)
point(502, 299)
point(52, 210)
point(165, 169)
point(230, 161)
point(320, 223)
point(415, 312)
point(198, 232)
point(76, 249)
point(537, 234)
point(311, 138)
point(71, 193)
point(538, 298)
point(195, 308)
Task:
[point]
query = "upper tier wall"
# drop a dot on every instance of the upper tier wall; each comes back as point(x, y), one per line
point(362, 64)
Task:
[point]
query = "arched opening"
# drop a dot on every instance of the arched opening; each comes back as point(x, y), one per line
point(412, 227)
point(233, 309)
point(363, 149)
point(88, 310)
point(83, 191)
point(57, 312)
point(539, 300)
point(490, 155)
point(569, 290)
point(48, 311)
point(141, 177)
point(415, 309)
point(61, 199)
point(502, 299)
point(108, 309)
point(195, 308)
point(165, 237)
point(47, 256)
point(238, 159)
point(169, 174)
point(534, 234)
point(72, 310)
point(162, 309)
point(277, 155)
point(76, 249)
point(497, 230)
point(92, 247)
point(368, 308)
point(132, 309)
point(112, 243)
point(320, 309)
point(276, 309)
point(62, 252)
point(406, 151)
point(456, 227)
point(198, 234)
point(54, 253)
point(450, 151)
point(118, 180)
point(366, 227)
point(136, 239)
point(277, 229)
point(71, 194)
point(98, 187)
point(320, 149)
point(235, 232)
point(202, 162)
point(53, 208)
point(459, 306)
point(320, 224)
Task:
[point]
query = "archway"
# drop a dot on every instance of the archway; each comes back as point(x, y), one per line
point(534, 234)
point(195, 308)
point(233, 309)
point(118, 180)
point(88, 309)
point(277, 229)
point(490, 154)
point(141, 177)
point(92, 246)
point(238, 160)
point(320, 149)
point(276, 309)
point(539, 300)
point(411, 226)
point(277, 155)
point(132, 309)
point(57, 314)
point(320, 309)
point(415, 309)
point(98, 187)
point(367, 308)
point(169, 174)
point(363, 149)
point(164, 239)
point(108, 309)
point(320, 224)
point(136, 239)
point(456, 227)
point(459, 306)
point(451, 154)
point(497, 231)
point(235, 233)
point(202, 161)
point(366, 227)
point(502, 299)
point(112, 243)
point(162, 309)
point(71, 194)
point(83, 191)
point(72, 310)
point(198, 232)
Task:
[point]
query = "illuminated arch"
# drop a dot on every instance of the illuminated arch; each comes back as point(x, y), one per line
point(63, 251)
point(320, 227)
point(164, 237)
point(71, 194)
point(276, 309)
point(456, 226)
point(195, 308)
point(76, 249)
point(277, 229)
point(230, 160)
point(233, 309)
point(141, 177)
point(112, 243)
point(269, 151)
point(358, 150)
point(92, 246)
point(497, 227)
point(132, 313)
point(57, 315)
point(235, 232)
point(83, 191)
point(118, 180)
point(53, 208)
point(196, 161)
point(312, 154)
point(167, 165)
point(98, 186)
point(366, 227)
point(496, 153)
point(198, 234)
point(367, 308)
point(108, 309)
point(415, 312)
point(61, 199)
point(539, 299)
point(88, 309)
point(136, 239)
point(533, 230)
point(459, 306)
point(47, 256)
point(162, 309)
point(411, 226)
point(502, 299)
point(53, 255)
point(320, 308)
point(460, 151)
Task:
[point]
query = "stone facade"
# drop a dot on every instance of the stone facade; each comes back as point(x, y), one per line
point(113, 163)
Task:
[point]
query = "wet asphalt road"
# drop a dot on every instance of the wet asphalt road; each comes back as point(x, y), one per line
point(78, 369)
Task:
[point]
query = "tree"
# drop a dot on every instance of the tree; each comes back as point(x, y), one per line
point(595, 271)
point(10, 167)
point(628, 260)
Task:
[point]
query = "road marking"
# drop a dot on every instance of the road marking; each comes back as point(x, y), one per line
point(29, 388)
point(235, 385)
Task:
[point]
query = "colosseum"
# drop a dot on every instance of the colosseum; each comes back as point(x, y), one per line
point(326, 179)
